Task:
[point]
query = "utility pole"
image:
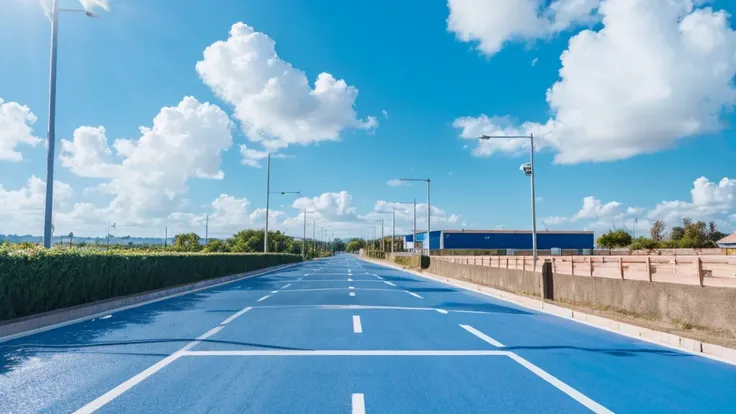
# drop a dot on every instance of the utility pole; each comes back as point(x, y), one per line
point(304, 236)
point(268, 197)
point(206, 228)
point(393, 228)
point(414, 237)
point(166, 236)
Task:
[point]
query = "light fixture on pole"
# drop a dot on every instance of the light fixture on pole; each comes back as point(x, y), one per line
point(429, 209)
point(51, 134)
point(530, 172)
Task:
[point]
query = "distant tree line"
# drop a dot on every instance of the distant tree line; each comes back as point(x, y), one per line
point(691, 234)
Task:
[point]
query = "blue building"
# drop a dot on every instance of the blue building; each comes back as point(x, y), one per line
point(505, 239)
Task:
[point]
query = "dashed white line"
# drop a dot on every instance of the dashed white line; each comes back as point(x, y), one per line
point(273, 292)
point(357, 326)
point(233, 317)
point(358, 403)
point(263, 298)
point(351, 287)
point(482, 336)
point(389, 283)
point(352, 293)
point(414, 294)
point(442, 311)
point(350, 280)
point(285, 286)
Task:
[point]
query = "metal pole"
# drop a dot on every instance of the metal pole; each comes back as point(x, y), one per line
point(383, 239)
point(534, 205)
point(304, 237)
point(268, 196)
point(414, 235)
point(51, 137)
point(314, 235)
point(429, 213)
point(206, 228)
point(166, 236)
point(393, 228)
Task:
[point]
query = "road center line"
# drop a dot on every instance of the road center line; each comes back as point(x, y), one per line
point(285, 286)
point(483, 336)
point(358, 404)
point(357, 326)
point(264, 298)
point(389, 283)
point(233, 317)
point(414, 294)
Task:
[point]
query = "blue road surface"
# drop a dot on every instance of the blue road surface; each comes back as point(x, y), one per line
point(342, 335)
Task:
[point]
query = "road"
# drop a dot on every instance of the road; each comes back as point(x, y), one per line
point(341, 335)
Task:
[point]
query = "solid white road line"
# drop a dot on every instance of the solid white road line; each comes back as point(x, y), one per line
point(389, 283)
point(264, 298)
point(232, 318)
point(345, 352)
point(357, 326)
point(352, 293)
point(120, 389)
point(414, 294)
point(482, 336)
point(358, 403)
point(285, 286)
point(572, 392)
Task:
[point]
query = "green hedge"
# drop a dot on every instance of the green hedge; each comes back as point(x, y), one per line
point(36, 281)
point(413, 261)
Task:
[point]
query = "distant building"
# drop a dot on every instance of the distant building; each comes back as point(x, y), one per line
point(728, 242)
point(503, 239)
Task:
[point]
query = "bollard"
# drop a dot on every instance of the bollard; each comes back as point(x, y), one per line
point(547, 281)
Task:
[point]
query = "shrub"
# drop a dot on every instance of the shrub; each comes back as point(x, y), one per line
point(643, 243)
point(33, 281)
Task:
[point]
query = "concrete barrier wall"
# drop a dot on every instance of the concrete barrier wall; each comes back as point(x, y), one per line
point(710, 307)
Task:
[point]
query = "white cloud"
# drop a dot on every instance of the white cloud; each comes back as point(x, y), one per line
point(594, 208)
point(385, 113)
point(395, 182)
point(252, 157)
point(16, 128)
point(709, 199)
point(184, 142)
point(273, 100)
point(93, 4)
point(555, 220)
point(22, 210)
point(440, 219)
point(330, 206)
point(658, 71)
point(493, 23)
point(534, 62)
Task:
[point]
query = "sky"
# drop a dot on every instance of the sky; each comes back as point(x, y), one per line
point(166, 111)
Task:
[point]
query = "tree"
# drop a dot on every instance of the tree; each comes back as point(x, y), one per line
point(338, 245)
point(355, 245)
point(677, 233)
point(643, 243)
point(617, 238)
point(657, 231)
point(187, 242)
point(713, 234)
point(216, 246)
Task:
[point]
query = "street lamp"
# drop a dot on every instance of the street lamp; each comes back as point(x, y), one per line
point(530, 172)
point(414, 234)
point(393, 226)
point(51, 135)
point(429, 208)
point(304, 237)
point(268, 201)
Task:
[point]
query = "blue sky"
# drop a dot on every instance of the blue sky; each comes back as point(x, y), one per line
point(631, 124)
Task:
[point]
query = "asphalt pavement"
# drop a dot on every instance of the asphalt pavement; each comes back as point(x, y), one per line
point(342, 335)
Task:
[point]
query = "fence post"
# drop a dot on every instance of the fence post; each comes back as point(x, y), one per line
point(621, 266)
point(572, 265)
point(701, 274)
point(547, 280)
point(507, 262)
point(523, 263)
point(591, 266)
point(649, 268)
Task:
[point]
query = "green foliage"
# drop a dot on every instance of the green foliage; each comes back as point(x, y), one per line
point(677, 233)
point(355, 245)
point(657, 231)
point(694, 235)
point(38, 280)
point(612, 239)
point(643, 243)
point(338, 245)
point(187, 242)
point(216, 246)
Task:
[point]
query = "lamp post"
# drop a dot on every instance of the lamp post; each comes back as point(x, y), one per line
point(304, 237)
point(414, 234)
point(268, 199)
point(393, 226)
point(51, 135)
point(429, 209)
point(529, 170)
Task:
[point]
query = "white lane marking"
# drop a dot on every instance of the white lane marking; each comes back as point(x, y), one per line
point(352, 293)
point(306, 274)
point(442, 311)
point(357, 326)
point(299, 280)
point(106, 317)
point(414, 294)
point(120, 389)
point(358, 403)
point(233, 317)
point(350, 280)
point(572, 392)
point(345, 352)
point(379, 277)
point(264, 298)
point(285, 286)
point(389, 283)
point(351, 287)
point(273, 292)
point(483, 336)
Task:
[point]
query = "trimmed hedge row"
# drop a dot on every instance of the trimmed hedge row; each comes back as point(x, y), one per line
point(43, 280)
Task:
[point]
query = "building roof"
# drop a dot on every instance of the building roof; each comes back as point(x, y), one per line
point(728, 239)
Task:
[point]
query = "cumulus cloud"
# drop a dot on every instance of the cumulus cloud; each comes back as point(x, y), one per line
point(252, 157)
point(274, 101)
point(395, 182)
point(330, 206)
point(184, 142)
point(22, 210)
point(555, 220)
point(594, 208)
point(708, 199)
point(493, 23)
point(656, 72)
point(440, 219)
point(93, 4)
point(16, 128)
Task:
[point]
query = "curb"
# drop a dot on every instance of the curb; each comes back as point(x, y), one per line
point(33, 324)
point(688, 345)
